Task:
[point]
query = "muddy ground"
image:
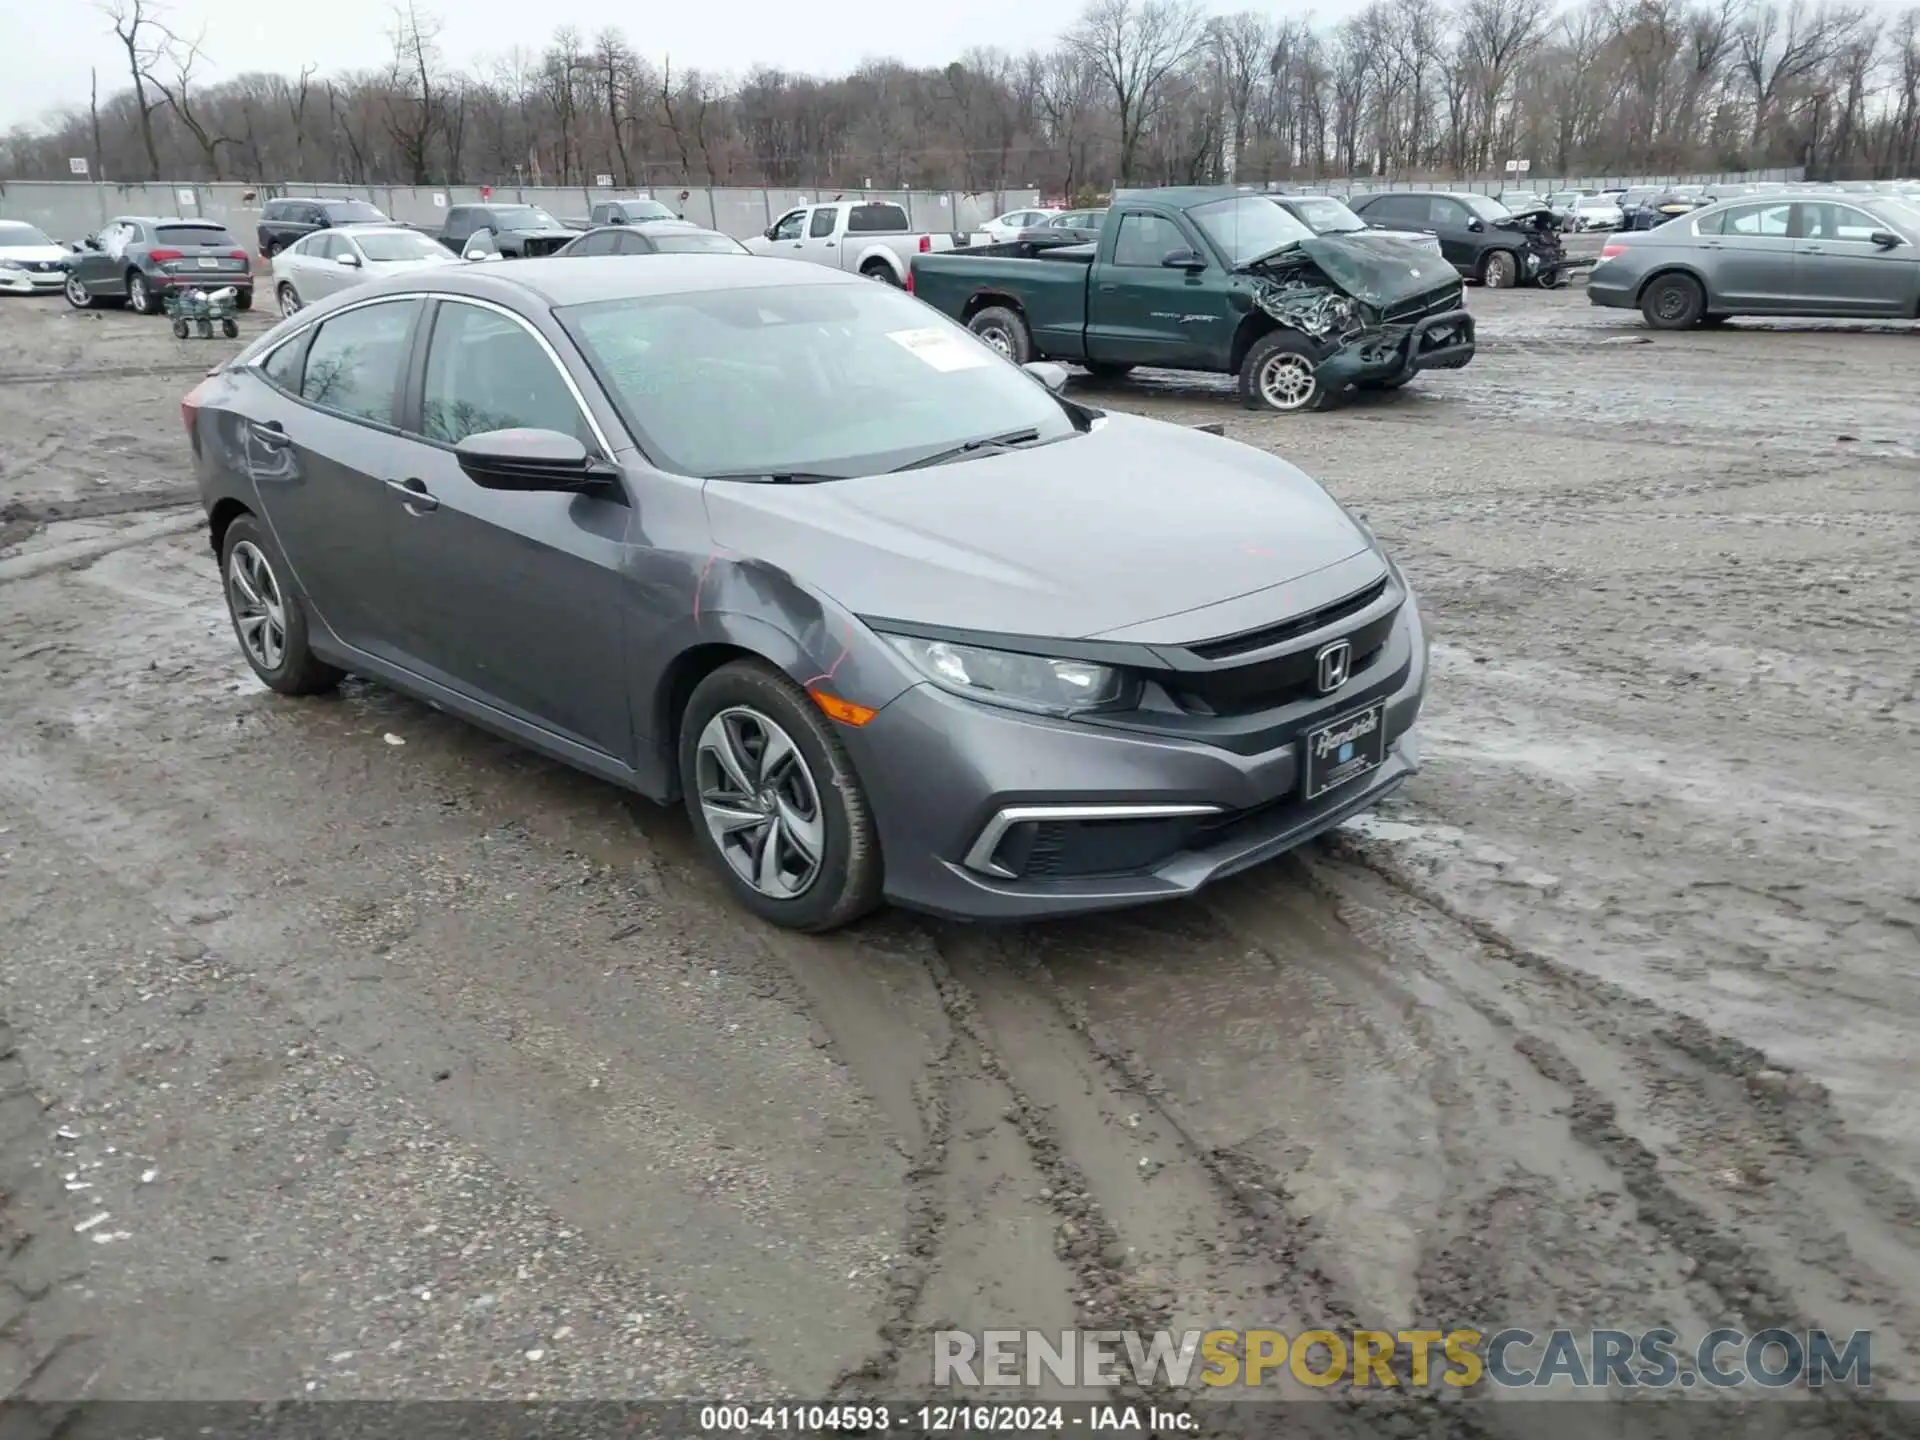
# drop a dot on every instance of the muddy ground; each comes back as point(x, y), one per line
point(402, 1063)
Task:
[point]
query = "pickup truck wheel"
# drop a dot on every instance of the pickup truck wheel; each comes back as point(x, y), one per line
point(1006, 331)
point(1281, 373)
point(879, 270)
point(1500, 270)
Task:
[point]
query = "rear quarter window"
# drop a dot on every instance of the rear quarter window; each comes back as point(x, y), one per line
point(877, 220)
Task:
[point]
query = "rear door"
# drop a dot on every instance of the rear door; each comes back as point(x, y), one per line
point(323, 444)
point(822, 243)
point(1143, 313)
point(1838, 270)
point(515, 600)
point(1750, 263)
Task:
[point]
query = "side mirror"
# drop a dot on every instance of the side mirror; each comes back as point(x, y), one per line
point(1476, 224)
point(1053, 376)
point(93, 242)
point(530, 460)
point(767, 234)
point(1183, 260)
point(350, 260)
point(480, 246)
point(1886, 239)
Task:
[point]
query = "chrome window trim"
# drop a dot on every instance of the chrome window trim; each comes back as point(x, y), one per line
point(980, 855)
point(258, 362)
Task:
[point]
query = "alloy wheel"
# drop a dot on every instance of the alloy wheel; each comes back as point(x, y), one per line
point(289, 302)
point(77, 295)
point(1286, 381)
point(137, 294)
point(259, 609)
point(760, 803)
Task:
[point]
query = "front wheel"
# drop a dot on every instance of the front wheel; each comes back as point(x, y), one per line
point(269, 620)
point(1500, 270)
point(1006, 331)
point(775, 802)
point(1673, 302)
point(1282, 372)
point(78, 296)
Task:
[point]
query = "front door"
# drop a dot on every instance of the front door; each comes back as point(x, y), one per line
point(322, 446)
point(1452, 225)
point(1140, 311)
point(514, 599)
point(1839, 270)
point(102, 267)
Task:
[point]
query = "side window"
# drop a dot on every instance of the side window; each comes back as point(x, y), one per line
point(283, 366)
point(1446, 212)
point(1757, 220)
point(600, 243)
point(459, 223)
point(821, 225)
point(276, 210)
point(1710, 224)
point(1824, 220)
point(598, 214)
point(485, 372)
point(788, 227)
point(355, 361)
point(1145, 240)
point(324, 246)
point(632, 243)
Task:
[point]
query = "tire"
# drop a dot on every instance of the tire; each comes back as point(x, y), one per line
point(1280, 366)
point(881, 271)
point(1106, 369)
point(230, 328)
point(244, 300)
point(269, 250)
point(1499, 270)
point(748, 701)
point(78, 296)
point(180, 329)
point(1673, 302)
point(1006, 331)
point(289, 300)
point(140, 294)
point(292, 669)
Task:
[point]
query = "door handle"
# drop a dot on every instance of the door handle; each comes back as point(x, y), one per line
point(413, 493)
point(1108, 289)
point(1813, 249)
point(271, 435)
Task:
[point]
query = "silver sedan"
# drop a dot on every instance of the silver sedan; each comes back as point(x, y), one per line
point(1851, 257)
point(317, 265)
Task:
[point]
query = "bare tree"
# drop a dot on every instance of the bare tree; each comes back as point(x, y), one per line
point(1779, 49)
point(137, 24)
point(415, 105)
point(1132, 47)
point(182, 56)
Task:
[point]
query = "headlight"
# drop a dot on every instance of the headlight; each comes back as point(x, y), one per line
point(12, 265)
point(1000, 677)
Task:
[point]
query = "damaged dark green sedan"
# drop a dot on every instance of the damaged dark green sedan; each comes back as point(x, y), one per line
point(1218, 280)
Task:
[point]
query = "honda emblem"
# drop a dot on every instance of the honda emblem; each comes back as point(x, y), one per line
point(1332, 666)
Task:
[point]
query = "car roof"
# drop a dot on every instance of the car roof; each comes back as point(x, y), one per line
point(560, 281)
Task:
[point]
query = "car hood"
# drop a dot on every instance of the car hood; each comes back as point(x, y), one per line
point(1133, 521)
point(26, 253)
point(1538, 218)
point(1375, 267)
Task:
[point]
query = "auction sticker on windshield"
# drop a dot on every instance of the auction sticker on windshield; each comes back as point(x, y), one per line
point(1346, 749)
point(941, 350)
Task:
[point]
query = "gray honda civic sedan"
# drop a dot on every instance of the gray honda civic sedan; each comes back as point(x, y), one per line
point(893, 618)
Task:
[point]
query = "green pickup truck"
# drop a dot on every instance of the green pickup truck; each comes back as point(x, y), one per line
point(1219, 280)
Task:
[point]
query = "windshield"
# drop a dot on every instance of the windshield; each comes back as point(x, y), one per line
point(1485, 206)
point(13, 232)
point(352, 212)
point(1246, 228)
point(1326, 216)
point(399, 245)
point(646, 210)
point(829, 379)
point(697, 242)
point(525, 217)
point(1904, 213)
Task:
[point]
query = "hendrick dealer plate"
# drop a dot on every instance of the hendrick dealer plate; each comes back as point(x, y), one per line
point(1345, 749)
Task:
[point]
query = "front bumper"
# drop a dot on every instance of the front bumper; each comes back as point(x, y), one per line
point(958, 789)
point(1436, 342)
point(32, 282)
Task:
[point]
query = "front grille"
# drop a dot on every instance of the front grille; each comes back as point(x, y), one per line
point(1248, 641)
point(1422, 306)
point(1268, 684)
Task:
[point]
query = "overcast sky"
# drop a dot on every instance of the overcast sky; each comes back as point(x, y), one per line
point(50, 44)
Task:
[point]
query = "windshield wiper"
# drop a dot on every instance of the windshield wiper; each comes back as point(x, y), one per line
point(779, 477)
point(972, 447)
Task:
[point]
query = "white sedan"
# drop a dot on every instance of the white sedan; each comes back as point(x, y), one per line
point(1008, 226)
point(30, 263)
point(317, 265)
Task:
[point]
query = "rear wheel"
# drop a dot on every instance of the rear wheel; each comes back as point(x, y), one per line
point(244, 299)
point(289, 300)
point(775, 801)
point(269, 620)
point(1281, 372)
point(1006, 331)
point(881, 271)
point(139, 293)
point(1673, 302)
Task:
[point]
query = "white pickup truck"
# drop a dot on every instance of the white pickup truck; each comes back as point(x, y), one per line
point(871, 237)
